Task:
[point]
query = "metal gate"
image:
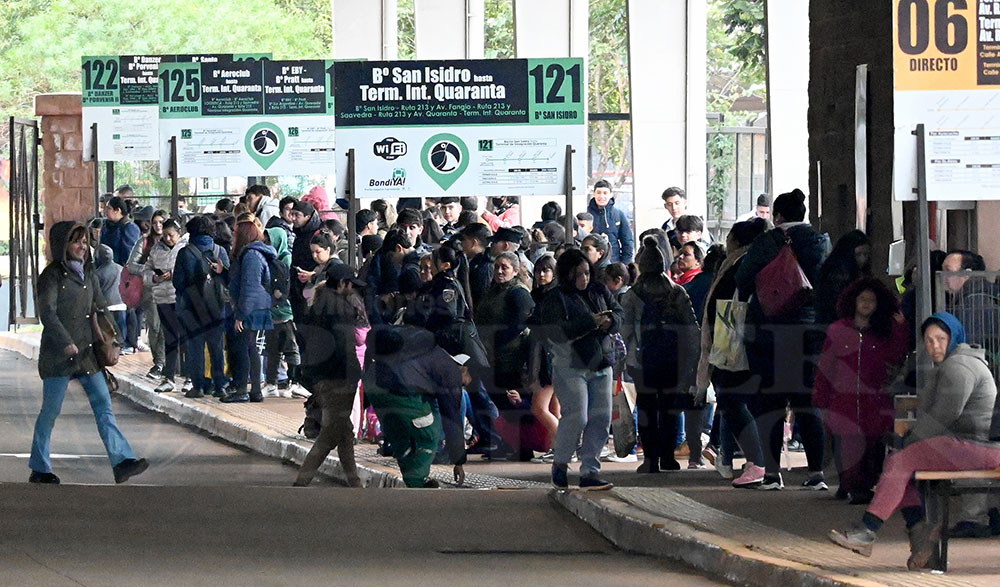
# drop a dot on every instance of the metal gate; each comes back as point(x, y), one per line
point(974, 298)
point(25, 224)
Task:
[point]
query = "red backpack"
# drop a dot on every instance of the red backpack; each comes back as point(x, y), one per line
point(782, 286)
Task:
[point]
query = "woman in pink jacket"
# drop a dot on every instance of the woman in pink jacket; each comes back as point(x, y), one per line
point(862, 353)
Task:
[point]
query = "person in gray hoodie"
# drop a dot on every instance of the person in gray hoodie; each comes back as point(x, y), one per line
point(952, 433)
point(109, 275)
point(157, 274)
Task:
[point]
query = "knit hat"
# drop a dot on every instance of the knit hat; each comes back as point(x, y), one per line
point(650, 258)
point(304, 207)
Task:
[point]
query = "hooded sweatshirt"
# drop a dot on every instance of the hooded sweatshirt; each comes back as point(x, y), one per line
point(279, 241)
point(109, 274)
point(959, 398)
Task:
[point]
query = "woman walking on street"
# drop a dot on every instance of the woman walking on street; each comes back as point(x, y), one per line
point(578, 318)
point(68, 293)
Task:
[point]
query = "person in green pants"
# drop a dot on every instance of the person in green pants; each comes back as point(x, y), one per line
point(404, 370)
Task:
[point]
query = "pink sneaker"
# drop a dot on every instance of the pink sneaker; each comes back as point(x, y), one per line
point(752, 475)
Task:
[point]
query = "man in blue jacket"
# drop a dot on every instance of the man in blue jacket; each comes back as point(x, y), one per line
point(612, 223)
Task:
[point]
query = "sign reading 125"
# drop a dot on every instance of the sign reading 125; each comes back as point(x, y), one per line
point(951, 29)
point(181, 85)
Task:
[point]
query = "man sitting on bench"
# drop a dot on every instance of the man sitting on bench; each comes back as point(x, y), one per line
point(951, 434)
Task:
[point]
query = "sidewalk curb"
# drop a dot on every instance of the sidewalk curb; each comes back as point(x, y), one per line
point(192, 415)
point(634, 530)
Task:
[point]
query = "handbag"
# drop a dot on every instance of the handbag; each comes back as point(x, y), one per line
point(622, 420)
point(107, 348)
point(130, 288)
point(782, 286)
point(729, 349)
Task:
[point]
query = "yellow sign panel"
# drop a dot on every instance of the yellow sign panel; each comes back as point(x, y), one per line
point(946, 44)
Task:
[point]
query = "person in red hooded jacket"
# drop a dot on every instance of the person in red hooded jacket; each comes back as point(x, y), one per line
point(318, 197)
point(863, 350)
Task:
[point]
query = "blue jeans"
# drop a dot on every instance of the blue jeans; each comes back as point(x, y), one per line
point(585, 400)
point(53, 392)
point(195, 363)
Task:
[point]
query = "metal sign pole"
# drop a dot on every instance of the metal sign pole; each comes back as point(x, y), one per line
point(97, 169)
point(568, 191)
point(352, 213)
point(923, 255)
point(174, 208)
point(109, 177)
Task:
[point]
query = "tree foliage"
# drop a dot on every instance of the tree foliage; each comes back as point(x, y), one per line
point(42, 41)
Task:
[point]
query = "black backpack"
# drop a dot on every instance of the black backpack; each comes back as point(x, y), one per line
point(660, 355)
point(280, 282)
point(212, 294)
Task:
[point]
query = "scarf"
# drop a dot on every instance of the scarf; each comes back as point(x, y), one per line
point(76, 267)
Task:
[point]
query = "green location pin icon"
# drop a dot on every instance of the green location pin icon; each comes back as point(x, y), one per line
point(264, 143)
point(444, 158)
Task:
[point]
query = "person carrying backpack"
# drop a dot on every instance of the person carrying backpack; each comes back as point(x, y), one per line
point(664, 344)
point(249, 285)
point(280, 341)
point(792, 338)
point(200, 274)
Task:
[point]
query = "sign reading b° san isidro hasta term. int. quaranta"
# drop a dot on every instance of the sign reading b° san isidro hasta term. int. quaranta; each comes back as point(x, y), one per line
point(482, 127)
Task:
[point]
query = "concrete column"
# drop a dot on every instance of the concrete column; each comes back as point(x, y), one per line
point(365, 30)
point(67, 181)
point(667, 40)
point(449, 29)
point(788, 93)
point(558, 28)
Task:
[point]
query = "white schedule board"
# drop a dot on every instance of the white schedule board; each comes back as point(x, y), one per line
point(946, 75)
point(251, 118)
point(471, 127)
point(120, 96)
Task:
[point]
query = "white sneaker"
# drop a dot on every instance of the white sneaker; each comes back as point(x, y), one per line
point(269, 390)
point(696, 466)
point(725, 471)
point(187, 386)
point(296, 390)
point(605, 452)
point(613, 458)
point(166, 386)
point(544, 458)
point(142, 348)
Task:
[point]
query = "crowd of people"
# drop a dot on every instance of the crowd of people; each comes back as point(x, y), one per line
point(468, 331)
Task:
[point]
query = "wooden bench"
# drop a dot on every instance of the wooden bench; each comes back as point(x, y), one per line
point(938, 487)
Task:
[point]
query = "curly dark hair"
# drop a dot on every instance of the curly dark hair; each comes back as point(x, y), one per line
point(886, 304)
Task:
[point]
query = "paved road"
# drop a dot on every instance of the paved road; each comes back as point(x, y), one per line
point(207, 513)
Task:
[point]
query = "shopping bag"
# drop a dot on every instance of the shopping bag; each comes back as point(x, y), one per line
point(622, 420)
point(728, 348)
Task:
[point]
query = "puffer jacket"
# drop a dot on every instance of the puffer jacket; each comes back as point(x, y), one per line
point(121, 236)
point(162, 258)
point(65, 303)
point(854, 370)
point(614, 224)
point(678, 305)
point(248, 277)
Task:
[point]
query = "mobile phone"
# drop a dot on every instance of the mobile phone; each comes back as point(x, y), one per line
point(158, 271)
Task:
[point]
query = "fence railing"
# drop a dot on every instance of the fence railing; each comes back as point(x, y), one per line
point(974, 298)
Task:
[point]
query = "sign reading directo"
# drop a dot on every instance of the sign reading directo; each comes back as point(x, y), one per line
point(947, 76)
point(483, 127)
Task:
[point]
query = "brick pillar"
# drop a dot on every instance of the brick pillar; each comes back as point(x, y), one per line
point(67, 184)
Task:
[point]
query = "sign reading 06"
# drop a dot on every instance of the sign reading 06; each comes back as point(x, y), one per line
point(935, 44)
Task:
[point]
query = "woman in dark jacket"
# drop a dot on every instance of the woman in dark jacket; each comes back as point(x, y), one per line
point(578, 318)
point(68, 293)
point(544, 404)
point(199, 277)
point(792, 339)
point(249, 280)
point(502, 319)
point(849, 260)
point(330, 368)
point(735, 387)
point(662, 397)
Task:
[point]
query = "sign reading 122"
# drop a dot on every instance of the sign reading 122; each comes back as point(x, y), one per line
point(100, 74)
